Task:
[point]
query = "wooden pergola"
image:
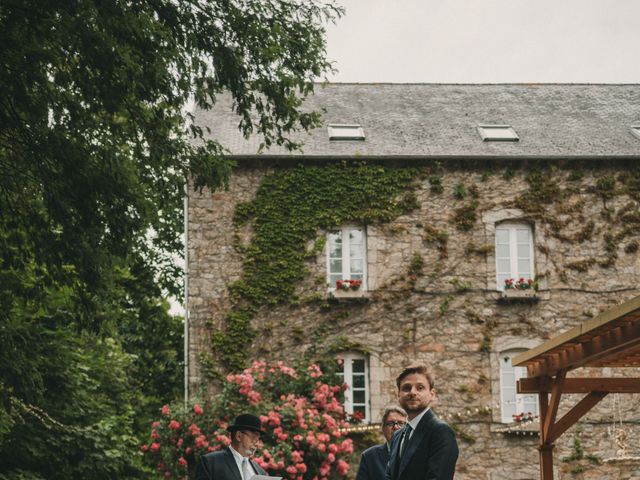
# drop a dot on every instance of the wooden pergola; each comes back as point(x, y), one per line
point(612, 339)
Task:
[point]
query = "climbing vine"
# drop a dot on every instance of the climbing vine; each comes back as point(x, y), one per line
point(294, 205)
point(580, 461)
point(555, 204)
point(290, 208)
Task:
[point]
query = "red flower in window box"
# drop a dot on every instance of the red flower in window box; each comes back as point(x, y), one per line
point(523, 417)
point(520, 284)
point(348, 284)
point(356, 417)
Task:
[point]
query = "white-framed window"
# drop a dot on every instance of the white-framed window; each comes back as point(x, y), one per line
point(355, 373)
point(512, 403)
point(514, 252)
point(346, 256)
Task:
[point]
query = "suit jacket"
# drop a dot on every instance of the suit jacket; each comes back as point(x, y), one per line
point(221, 465)
point(373, 463)
point(431, 453)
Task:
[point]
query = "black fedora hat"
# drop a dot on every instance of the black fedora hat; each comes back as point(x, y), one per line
point(246, 421)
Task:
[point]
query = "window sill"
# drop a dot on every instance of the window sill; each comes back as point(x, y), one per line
point(514, 295)
point(348, 294)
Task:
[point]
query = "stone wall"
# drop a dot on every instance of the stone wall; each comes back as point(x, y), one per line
point(450, 314)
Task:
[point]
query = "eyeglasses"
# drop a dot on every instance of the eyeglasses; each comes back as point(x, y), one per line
point(394, 424)
point(252, 435)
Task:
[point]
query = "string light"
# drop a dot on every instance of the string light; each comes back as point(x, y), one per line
point(361, 428)
point(467, 413)
point(451, 417)
point(522, 428)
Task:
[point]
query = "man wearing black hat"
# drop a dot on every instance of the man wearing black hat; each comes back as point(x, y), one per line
point(233, 462)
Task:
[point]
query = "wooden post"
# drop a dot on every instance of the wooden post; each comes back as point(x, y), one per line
point(548, 411)
point(543, 404)
point(545, 458)
point(546, 461)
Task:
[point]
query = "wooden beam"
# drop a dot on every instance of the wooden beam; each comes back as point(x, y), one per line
point(575, 414)
point(554, 402)
point(628, 309)
point(611, 342)
point(581, 385)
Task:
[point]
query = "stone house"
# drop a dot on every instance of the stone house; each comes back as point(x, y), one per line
point(433, 198)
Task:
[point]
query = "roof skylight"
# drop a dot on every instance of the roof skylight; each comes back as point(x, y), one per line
point(345, 132)
point(635, 129)
point(498, 133)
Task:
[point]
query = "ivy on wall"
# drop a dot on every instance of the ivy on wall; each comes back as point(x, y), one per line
point(290, 208)
point(293, 205)
point(553, 196)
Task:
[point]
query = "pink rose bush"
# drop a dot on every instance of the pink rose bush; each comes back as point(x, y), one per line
point(301, 410)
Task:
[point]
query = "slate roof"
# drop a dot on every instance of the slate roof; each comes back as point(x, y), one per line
point(441, 120)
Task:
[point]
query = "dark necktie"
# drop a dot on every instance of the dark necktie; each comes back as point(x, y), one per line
point(403, 444)
point(405, 440)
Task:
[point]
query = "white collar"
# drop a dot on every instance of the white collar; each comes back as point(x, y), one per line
point(416, 420)
point(236, 454)
point(239, 459)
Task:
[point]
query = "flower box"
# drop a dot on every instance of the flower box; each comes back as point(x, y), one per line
point(520, 289)
point(515, 293)
point(337, 293)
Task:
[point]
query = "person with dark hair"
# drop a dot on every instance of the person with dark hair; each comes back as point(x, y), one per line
point(234, 462)
point(426, 448)
point(373, 462)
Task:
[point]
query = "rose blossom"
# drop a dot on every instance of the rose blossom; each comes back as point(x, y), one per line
point(342, 468)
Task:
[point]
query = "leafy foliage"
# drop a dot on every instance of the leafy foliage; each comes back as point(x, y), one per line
point(290, 207)
point(95, 148)
point(543, 190)
point(69, 394)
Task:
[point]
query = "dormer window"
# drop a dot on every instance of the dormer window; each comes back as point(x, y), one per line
point(338, 132)
point(497, 133)
point(635, 129)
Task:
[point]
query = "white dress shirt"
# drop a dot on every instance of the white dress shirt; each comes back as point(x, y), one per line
point(239, 458)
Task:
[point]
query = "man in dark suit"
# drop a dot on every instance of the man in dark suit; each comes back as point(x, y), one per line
point(426, 448)
point(233, 462)
point(373, 462)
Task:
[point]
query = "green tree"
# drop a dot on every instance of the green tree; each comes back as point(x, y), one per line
point(95, 146)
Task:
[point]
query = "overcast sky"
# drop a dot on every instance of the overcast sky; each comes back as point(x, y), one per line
point(487, 41)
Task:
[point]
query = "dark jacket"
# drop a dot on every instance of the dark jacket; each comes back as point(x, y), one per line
point(373, 463)
point(221, 465)
point(431, 454)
